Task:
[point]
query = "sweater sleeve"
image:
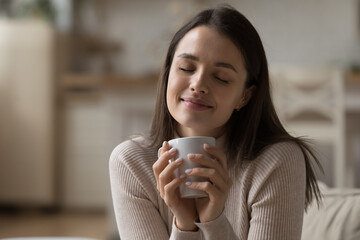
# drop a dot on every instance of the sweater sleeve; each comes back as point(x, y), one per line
point(136, 215)
point(273, 187)
point(219, 228)
point(136, 206)
point(277, 195)
point(185, 235)
point(275, 184)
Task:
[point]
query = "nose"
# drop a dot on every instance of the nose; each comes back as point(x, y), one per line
point(198, 84)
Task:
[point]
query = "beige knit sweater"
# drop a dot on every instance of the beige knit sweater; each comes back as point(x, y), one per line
point(266, 200)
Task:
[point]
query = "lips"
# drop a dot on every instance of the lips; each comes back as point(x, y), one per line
point(196, 104)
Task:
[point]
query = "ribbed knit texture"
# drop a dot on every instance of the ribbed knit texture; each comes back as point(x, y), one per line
point(266, 200)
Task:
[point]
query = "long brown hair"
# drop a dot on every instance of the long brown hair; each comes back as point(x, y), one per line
point(256, 125)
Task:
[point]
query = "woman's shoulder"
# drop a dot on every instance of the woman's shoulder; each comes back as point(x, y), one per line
point(130, 167)
point(133, 150)
point(277, 164)
point(284, 149)
point(286, 153)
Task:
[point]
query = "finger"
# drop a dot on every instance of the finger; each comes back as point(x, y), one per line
point(215, 178)
point(208, 163)
point(163, 160)
point(207, 187)
point(168, 173)
point(170, 189)
point(217, 154)
point(165, 147)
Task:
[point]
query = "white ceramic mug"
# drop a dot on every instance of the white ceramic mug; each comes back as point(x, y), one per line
point(185, 146)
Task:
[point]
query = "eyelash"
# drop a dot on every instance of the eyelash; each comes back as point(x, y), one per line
point(190, 71)
point(222, 80)
point(185, 70)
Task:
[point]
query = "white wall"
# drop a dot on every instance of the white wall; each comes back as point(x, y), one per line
point(306, 32)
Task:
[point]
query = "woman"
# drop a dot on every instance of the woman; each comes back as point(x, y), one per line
point(214, 83)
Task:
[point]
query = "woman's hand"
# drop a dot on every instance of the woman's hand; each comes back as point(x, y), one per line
point(217, 188)
point(168, 186)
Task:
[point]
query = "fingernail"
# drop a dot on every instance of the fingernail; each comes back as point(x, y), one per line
point(187, 171)
point(172, 150)
point(182, 176)
point(191, 156)
point(187, 183)
point(179, 160)
point(206, 146)
point(164, 142)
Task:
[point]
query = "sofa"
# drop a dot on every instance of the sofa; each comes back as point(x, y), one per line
point(337, 217)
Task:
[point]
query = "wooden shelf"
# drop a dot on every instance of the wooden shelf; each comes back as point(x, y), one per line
point(353, 78)
point(86, 81)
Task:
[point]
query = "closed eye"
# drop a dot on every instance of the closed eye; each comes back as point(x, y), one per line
point(186, 69)
point(222, 80)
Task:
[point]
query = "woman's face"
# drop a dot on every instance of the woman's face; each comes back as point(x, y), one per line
point(206, 82)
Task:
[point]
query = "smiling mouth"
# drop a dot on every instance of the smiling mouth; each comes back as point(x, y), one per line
point(196, 104)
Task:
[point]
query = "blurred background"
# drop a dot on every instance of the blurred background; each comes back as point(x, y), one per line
point(78, 76)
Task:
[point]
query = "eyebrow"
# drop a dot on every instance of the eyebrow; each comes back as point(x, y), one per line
point(218, 64)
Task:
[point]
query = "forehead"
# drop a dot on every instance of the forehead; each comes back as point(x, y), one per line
point(208, 44)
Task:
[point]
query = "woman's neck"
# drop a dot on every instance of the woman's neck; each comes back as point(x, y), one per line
point(189, 132)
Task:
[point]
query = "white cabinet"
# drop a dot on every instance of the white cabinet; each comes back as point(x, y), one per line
point(84, 153)
point(93, 123)
point(26, 113)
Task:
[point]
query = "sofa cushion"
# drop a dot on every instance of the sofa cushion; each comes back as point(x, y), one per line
point(337, 218)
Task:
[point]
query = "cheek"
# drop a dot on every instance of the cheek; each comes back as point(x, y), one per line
point(227, 105)
point(176, 85)
point(169, 93)
point(170, 89)
point(173, 90)
point(229, 99)
point(238, 96)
